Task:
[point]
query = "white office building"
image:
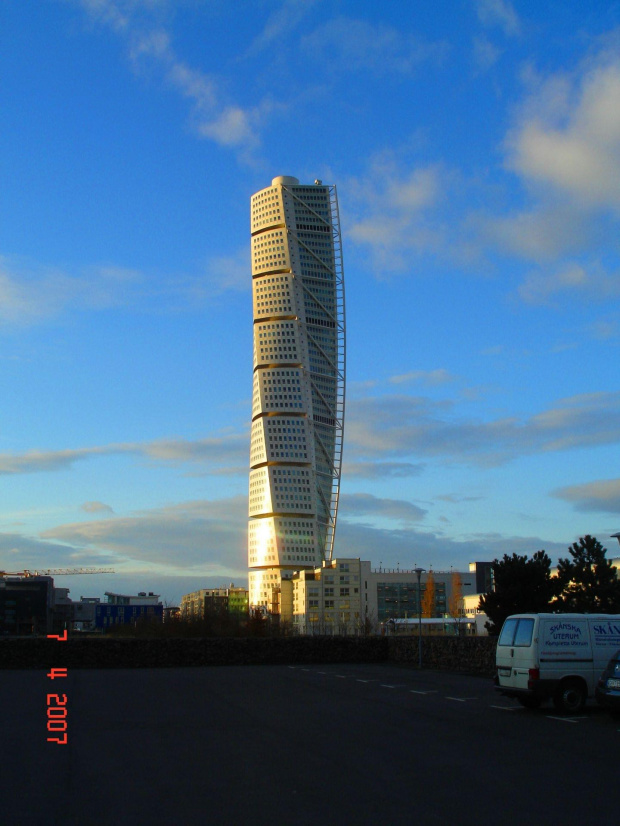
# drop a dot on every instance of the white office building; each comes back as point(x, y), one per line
point(348, 596)
point(298, 384)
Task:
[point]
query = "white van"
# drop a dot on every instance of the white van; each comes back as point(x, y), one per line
point(557, 656)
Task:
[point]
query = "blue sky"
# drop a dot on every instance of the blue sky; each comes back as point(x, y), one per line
point(475, 145)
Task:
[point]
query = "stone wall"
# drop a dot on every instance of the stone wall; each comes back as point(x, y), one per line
point(474, 655)
point(170, 653)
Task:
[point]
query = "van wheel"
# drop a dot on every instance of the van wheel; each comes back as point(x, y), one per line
point(530, 702)
point(570, 698)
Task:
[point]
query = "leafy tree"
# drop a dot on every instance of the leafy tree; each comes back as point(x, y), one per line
point(428, 600)
point(455, 600)
point(588, 583)
point(521, 584)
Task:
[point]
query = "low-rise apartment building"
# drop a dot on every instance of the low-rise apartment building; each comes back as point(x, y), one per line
point(198, 604)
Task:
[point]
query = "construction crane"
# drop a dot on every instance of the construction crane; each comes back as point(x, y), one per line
point(58, 572)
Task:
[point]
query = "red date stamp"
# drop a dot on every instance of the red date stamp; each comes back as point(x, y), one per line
point(57, 703)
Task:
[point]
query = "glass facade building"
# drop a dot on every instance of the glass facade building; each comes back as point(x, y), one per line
point(399, 600)
point(298, 383)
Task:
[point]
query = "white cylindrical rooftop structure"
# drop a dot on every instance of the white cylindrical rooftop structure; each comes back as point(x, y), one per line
point(285, 180)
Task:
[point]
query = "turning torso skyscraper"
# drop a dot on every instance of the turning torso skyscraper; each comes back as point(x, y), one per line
point(299, 380)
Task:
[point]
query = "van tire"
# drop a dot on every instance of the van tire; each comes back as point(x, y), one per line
point(570, 697)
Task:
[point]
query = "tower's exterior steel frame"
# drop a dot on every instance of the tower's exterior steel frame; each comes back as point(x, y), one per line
point(298, 383)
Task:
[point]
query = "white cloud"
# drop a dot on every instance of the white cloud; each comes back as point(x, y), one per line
point(564, 149)
point(602, 496)
point(499, 13)
point(567, 135)
point(392, 212)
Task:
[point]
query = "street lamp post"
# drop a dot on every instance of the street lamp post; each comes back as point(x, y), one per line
point(419, 572)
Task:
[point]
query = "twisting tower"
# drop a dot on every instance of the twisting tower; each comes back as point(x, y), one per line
point(299, 383)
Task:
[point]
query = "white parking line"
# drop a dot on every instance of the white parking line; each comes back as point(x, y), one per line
point(383, 685)
point(413, 691)
point(507, 708)
point(366, 681)
point(461, 699)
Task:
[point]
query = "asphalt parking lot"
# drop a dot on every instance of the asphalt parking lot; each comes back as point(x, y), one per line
point(298, 745)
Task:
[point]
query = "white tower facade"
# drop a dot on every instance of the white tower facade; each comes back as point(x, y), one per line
point(298, 383)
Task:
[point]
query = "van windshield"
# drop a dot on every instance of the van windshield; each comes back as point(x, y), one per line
point(517, 632)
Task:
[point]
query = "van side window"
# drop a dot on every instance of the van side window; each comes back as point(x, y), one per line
point(524, 633)
point(508, 632)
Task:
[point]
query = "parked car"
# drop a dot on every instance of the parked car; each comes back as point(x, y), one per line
point(607, 691)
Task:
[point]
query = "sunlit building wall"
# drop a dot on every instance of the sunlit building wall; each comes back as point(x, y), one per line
point(348, 596)
point(298, 383)
point(330, 599)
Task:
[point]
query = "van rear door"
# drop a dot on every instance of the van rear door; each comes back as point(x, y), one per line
point(515, 652)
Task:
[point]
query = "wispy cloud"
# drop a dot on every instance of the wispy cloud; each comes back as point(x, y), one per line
point(428, 377)
point(602, 496)
point(205, 535)
point(581, 281)
point(31, 293)
point(19, 553)
point(212, 453)
point(281, 23)
point(381, 470)
point(486, 54)
point(365, 505)
point(499, 13)
point(394, 211)
point(96, 507)
point(404, 426)
point(150, 50)
point(353, 45)
point(208, 539)
point(407, 547)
